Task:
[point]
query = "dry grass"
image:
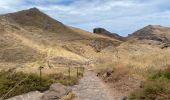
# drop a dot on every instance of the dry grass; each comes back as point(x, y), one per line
point(70, 96)
point(26, 39)
point(139, 58)
point(131, 66)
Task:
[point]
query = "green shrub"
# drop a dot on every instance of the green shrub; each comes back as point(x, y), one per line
point(31, 82)
point(157, 87)
point(160, 74)
point(8, 80)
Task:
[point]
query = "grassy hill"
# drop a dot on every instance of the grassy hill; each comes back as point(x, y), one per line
point(30, 39)
point(30, 36)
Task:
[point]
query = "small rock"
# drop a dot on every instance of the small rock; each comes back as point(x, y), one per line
point(165, 45)
point(141, 84)
point(108, 73)
point(56, 91)
point(124, 98)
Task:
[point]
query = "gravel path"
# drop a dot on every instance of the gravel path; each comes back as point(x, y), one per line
point(91, 88)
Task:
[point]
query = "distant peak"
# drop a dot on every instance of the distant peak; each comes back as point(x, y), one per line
point(34, 9)
point(100, 30)
point(154, 26)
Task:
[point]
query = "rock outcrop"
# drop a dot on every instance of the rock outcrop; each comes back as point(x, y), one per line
point(104, 32)
point(56, 92)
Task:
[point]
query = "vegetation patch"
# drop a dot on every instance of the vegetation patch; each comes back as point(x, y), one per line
point(157, 87)
point(25, 83)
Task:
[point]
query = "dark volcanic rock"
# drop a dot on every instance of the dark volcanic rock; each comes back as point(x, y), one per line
point(102, 31)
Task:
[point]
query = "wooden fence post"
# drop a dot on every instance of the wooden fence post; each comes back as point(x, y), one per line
point(69, 71)
point(77, 71)
point(40, 68)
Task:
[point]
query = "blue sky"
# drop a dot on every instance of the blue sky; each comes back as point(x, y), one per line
point(119, 16)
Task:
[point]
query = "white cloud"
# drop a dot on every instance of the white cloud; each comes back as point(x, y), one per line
point(122, 16)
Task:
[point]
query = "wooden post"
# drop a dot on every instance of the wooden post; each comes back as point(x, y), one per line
point(49, 65)
point(69, 71)
point(40, 68)
point(77, 71)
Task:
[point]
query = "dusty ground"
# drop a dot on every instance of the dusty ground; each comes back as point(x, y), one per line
point(123, 87)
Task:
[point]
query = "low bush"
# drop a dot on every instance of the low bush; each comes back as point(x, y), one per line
point(160, 75)
point(30, 82)
point(157, 87)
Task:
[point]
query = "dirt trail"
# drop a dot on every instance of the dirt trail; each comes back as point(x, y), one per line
point(91, 88)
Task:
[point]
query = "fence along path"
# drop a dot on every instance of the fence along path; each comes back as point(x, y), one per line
point(36, 95)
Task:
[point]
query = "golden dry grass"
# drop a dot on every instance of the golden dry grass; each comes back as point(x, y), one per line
point(70, 96)
point(126, 69)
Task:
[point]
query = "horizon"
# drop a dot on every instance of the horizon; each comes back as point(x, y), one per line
point(131, 15)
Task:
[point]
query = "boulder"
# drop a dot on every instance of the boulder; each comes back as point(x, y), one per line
point(165, 45)
point(56, 92)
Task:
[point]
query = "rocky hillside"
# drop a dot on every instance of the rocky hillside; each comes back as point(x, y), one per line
point(156, 33)
point(152, 32)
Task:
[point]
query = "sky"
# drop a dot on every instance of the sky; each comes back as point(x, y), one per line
point(118, 16)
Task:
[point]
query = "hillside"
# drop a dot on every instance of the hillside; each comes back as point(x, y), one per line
point(30, 35)
point(135, 61)
point(153, 32)
point(154, 35)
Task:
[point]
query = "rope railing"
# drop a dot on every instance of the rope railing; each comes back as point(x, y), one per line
point(10, 90)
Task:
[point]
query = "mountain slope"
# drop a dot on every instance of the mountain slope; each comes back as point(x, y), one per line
point(153, 32)
point(153, 35)
point(34, 17)
point(38, 37)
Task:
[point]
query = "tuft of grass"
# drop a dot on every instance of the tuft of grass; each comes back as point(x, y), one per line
point(65, 80)
point(70, 96)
